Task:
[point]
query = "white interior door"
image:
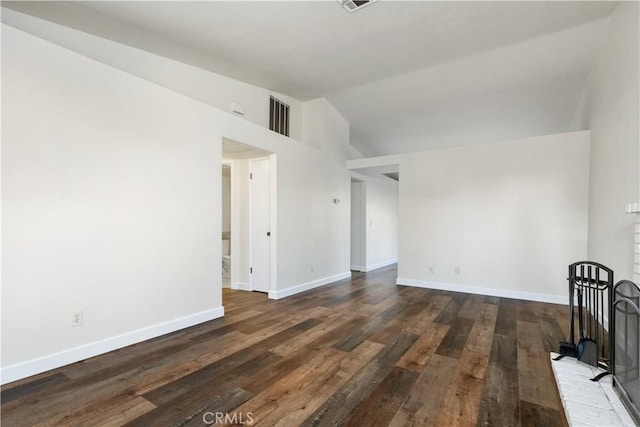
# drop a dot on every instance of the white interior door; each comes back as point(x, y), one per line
point(260, 225)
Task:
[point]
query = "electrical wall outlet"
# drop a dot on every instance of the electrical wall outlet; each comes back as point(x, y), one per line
point(432, 269)
point(456, 270)
point(76, 318)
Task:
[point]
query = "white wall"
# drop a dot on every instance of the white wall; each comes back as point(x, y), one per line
point(610, 109)
point(511, 215)
point(212, 89)
point(381, 222)
point(111, 203)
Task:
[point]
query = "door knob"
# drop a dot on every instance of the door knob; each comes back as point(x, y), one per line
point(268, 233)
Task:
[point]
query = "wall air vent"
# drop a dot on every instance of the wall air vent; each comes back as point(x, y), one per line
point(353, 5)
point(278, 116)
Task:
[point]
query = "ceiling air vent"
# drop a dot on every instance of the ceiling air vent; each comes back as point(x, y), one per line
point(353, 5)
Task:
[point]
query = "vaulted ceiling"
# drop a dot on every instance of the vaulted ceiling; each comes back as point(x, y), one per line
point(407, 75)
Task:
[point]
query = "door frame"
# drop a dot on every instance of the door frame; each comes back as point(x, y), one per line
point(232, 236)
point(361, 186)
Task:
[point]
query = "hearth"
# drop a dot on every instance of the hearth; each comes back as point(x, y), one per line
point(615, 400)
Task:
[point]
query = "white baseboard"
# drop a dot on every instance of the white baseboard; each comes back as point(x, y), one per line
point(380, 264)
point(241, 286)
point(365, 268)
point(56, 360)
point(504, 293)
point(283, 293)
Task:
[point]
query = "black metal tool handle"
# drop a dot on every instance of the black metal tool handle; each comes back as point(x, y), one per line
point(580, 320)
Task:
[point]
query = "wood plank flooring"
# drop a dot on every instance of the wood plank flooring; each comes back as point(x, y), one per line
point(359, 352)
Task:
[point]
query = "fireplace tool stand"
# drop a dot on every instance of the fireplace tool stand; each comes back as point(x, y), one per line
point(590, 284)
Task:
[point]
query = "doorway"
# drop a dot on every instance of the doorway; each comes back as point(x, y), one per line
point(226, 223)
point(251, 263)
point(358, 225)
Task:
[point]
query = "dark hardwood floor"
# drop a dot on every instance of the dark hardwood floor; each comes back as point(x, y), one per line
point(359, 352)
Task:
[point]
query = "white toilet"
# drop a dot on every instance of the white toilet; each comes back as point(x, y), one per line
point(226, 259)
